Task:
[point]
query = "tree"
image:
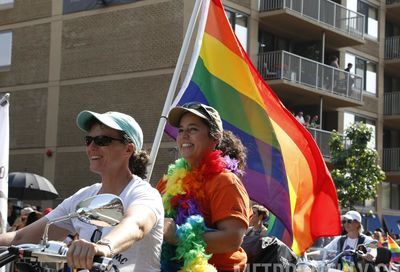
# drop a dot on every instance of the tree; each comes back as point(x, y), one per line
point(356, 174)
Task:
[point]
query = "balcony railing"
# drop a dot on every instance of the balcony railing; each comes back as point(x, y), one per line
point(285, 65)
point(322, 138)
point(391, 159)
point(392, 47)
point(392, 103)
point(323, 11)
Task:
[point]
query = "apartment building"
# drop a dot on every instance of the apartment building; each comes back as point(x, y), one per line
point(298, 42)
point(391, 111)
point(60, 57)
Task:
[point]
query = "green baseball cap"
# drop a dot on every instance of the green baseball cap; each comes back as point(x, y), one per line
point(116, 120)
point(203, 111)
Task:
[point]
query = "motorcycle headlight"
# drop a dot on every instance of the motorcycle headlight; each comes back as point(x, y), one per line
point(305, 267)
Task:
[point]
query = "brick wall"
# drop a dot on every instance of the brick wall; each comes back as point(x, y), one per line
point(30, 56)
point(32, 163)
point(143, 98)
point(25, 10)
point(122, 41)
point(28, 118)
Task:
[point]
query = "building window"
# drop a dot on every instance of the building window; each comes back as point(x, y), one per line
point(269, 42)
point(390, 196)
point(6, 4)
point(70, 6)
point(370, 16)
point(238, 23)
point(5, 49)
point(366, 69)
point(350, 118)
point(370, 19)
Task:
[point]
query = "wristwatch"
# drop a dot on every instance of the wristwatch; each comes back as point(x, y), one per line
point(106, 242)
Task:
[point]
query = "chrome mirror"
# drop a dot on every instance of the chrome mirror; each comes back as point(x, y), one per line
point(104, 210)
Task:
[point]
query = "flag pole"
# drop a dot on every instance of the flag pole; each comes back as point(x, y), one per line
point(4, 99)
point(4, 160)
point(172, 87)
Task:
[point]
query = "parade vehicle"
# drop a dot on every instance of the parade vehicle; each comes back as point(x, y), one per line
point(103, 210)
point(327, 261)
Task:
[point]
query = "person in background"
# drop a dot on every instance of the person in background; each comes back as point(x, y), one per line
point(113, 139)
point(314, 122)
point(12, 214)
point(307, 120)
point(349, 66)
point(334, 62)
point(203, 196)
point(300, 118)
point(353, 238)
point(47, 211)
point(348, 69)
point(20, 222)
point(379, 236)
point(257, 219)
point(32, 217)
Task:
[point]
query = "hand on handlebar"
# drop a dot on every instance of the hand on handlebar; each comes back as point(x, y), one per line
point(81, 253)
point(369, 257)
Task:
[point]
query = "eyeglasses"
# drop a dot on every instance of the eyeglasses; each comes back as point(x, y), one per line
point(349, 221)
point(101, 140)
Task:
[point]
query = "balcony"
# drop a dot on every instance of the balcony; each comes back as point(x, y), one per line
point(295, 18)
point(322, 138)
point(393, 11)
point(294, 77)
point(392, 55)
point(392, 109)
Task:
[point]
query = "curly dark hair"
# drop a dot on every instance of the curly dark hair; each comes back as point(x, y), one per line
point(232, 146)
point(138, 163)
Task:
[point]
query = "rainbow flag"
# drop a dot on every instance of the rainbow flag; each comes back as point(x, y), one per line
point(286, 171)
point(394, 248)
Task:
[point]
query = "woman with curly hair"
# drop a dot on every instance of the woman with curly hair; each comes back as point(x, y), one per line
point(207, 207)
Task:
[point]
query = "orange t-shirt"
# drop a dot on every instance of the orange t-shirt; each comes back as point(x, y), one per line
point(224, 197)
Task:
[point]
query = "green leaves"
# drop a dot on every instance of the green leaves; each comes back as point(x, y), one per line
point(356, 173)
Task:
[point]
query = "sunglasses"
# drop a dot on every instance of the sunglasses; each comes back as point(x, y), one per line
point(101, 140)
point(349, 221)
point(197, 106)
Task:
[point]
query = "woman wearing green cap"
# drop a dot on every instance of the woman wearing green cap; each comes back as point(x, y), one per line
point(113, 147)
point(206, 206)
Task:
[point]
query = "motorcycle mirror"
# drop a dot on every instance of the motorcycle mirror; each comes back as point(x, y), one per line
point(104, 210)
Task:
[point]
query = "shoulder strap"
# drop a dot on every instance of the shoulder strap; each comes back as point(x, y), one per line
point(361, 239)
point(341, 243)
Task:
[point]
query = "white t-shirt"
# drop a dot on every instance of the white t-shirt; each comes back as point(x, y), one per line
point(349, 243)
point(145, 254)
point(300, 118)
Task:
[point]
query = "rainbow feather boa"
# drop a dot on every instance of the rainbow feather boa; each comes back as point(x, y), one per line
point(182, 192)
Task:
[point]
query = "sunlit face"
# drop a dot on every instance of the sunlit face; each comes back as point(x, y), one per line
point(105, 159)
point(350, 225)
point(377, 235)
point(254, 219)
point(193, 140)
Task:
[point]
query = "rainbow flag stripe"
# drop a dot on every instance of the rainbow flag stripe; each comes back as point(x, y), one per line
point(286, 171)
point(394, 248)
